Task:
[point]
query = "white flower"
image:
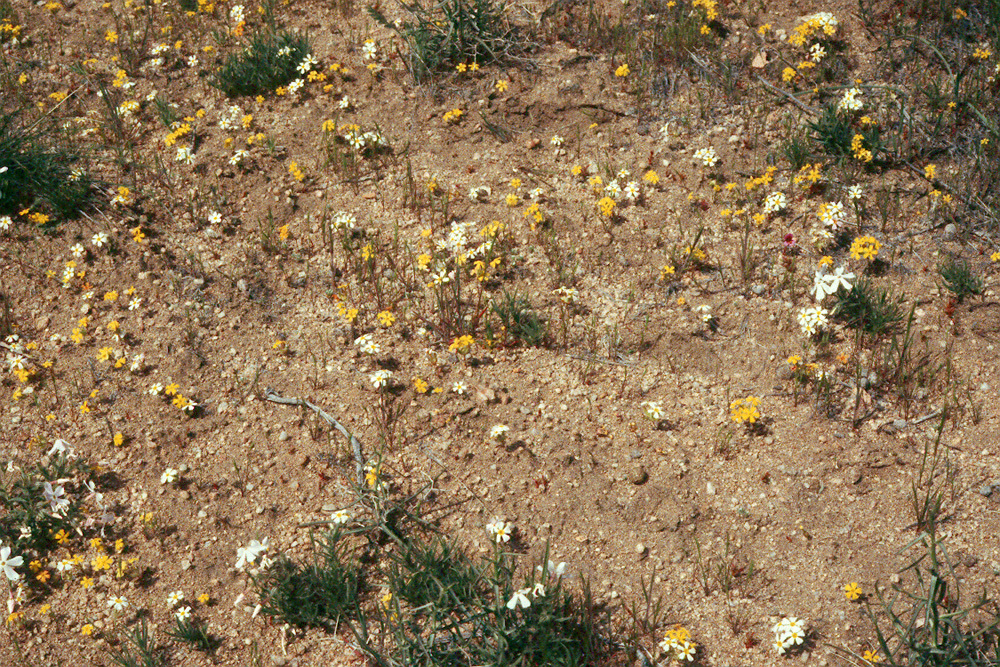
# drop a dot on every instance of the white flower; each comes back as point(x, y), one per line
point(249, 553)
point(459, 387)
point(193, 61)
point(183, 614)
point(613, 190)
point(850, 101)
point(855, 192)
point(556, 140)
point(567, 294)
point(340, 517)
point(5, 221)
point(55, 497)
point(295, 86)
point(65, 565)
point(238, 157)
point(236, 14)
point(500, 530)
point(817, 53)
point(538, 591)
point(307, 64)
point(632, 190)
point(175, 598)
point(499, 431)
point(839, 279)
point(7, 564)
point(156, 389)
point(215, 218)
point(775, 202)
point(369, 50)
point(345, 103)
point(184, 155)
point(654, 410)
point(537, 193)
point(553, 570)
point(367, 344)
point(169, 476)
point(520, 597)
point(788, 632)
point(832, 215)
point(344, 220)
point(135, 303)
point(118, 602)
point(812, 319)
point(380, 379)
point(99, 239)
point(60, 446)
point(707, 156)
point(706, 312)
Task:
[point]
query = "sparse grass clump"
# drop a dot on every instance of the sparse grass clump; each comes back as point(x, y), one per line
point(869, 309)
point(314, 594)
point(519, 319)
point(441, 36)
point(269, 61)
point(40, 172)
point(959, 278)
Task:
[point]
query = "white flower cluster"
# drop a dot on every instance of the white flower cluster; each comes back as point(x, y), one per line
point(232, 118)
point(833, 215)
point(567, 294)
point(775, 202)
point(369, 50)
point(850, 101)
point(307, 64)
point(812, 319)
point(237, 14)
point(825, 284)
point(789, 632)
point(344, 220)
point(359, 140)
point(827, 21)
point(380, 379)
point(707, 156)
point(679, 649)
point(368, 344)
point(520, 597)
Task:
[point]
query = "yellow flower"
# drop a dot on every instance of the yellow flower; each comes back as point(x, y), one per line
point(825, 260)
point(171, 389)
point(872, 656)
point(500, 85)
point(762, 30)
point(102, 562)
point(607, 206)
point(852, 591)
point(283, 232)
point(651, 177)
point(386, 318)
point(119, 439)
point(119, 545)
point(84, 409)
point(667, 270)
point(87, 630)
point(87, 582)
point(622, 70)
point(420, 386)
point(865, 247)
point(461, 67)
point(204, 598)
point(43, 576)
point(995, 257)
point(930, 171)
point(788, 74)
point(111, 36)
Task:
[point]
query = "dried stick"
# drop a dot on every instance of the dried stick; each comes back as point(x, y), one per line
point(359, 460)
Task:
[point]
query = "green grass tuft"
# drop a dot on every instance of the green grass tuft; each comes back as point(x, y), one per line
point(268, 62)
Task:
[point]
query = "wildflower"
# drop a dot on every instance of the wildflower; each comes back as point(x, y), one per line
point(87, 630)
point(501, 86)
point(852, 591)
point(340, 517)
point(520, 597)
point(183, 614)
point(775, 202)
point(654, 410)
point(7, 564)
point(101, 562)
point(855, 192)
point(386, 318)
point(169, 476)
point(215, 218)
point(817, 53)
point(499, 432)
point(745, 410)
point(632, 191)
point(556, 141)
point(606, 206)
point(174, 598)
point(850, 101)
point(930, 172)
point(871, 656)
point(622, 70)
point(367, 344)
point(788, 632)
point(707, 156)
point(118, 603)
point(184, 155)
point(567, 294)
point(249, 553)
point(380, 378)
point(369, 50)
point(500, 530)
point(788, 74)
point(459, 387)
point(706, 312)
point(812, 319)
point(552, 570)
point(865, 247)
point(420, 386)
point(100, 239)
point(55, 497)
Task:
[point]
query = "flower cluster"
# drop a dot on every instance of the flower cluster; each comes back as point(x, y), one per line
point(865, 247)
point(499, 530)
point(745, 410)
point(678, 645)
point(789, 632)
point(812, 319)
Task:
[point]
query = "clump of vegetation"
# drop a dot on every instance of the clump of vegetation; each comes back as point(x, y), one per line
point(519, 319)
point(39, 172)
point(269, 61)
point(869, 309)
point(315, 594)
point(454, 32)
point(959, 278)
